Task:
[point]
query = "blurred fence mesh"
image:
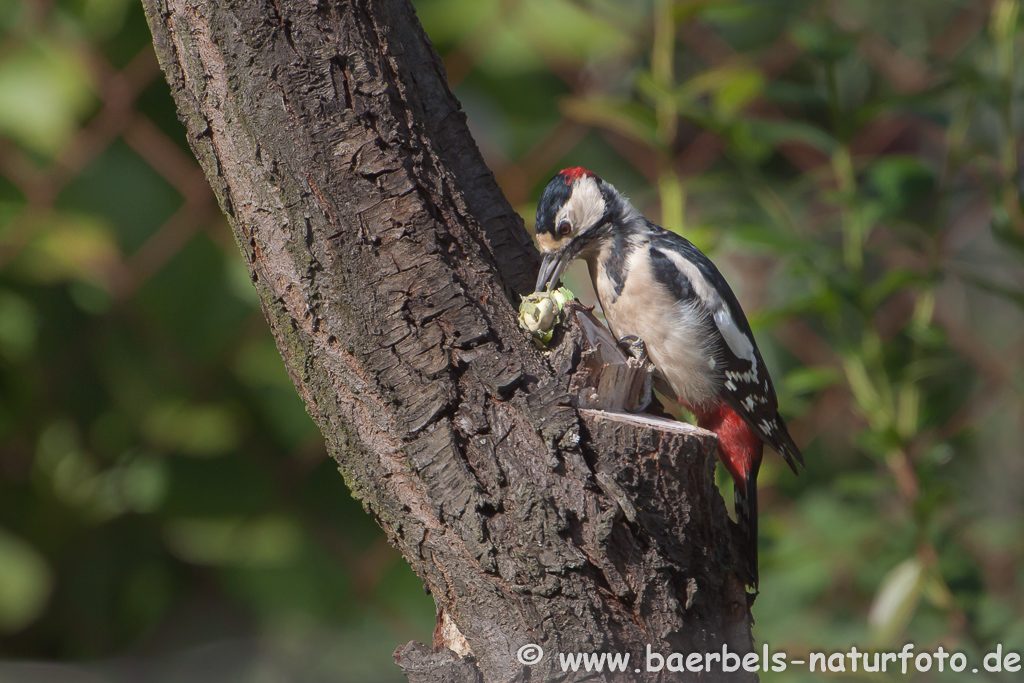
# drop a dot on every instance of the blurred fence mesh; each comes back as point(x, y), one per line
point(852, 165)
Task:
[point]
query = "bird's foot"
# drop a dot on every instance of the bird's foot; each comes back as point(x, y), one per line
point(636, 352)
point(634, 347)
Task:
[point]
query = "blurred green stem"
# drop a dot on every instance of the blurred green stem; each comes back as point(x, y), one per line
point(854, 230)
point(1003, 27)
point(662, 56)
point(846, 181)
point(670, 189)
point(834, 103)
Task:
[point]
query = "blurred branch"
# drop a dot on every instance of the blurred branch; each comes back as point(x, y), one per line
point(389, 264)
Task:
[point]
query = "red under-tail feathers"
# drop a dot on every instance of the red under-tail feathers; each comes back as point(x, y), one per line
point(740, 450)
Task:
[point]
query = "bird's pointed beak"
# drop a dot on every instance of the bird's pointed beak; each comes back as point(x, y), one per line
point(551, 269)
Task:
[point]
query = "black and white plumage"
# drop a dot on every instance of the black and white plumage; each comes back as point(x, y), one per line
point(658, 286)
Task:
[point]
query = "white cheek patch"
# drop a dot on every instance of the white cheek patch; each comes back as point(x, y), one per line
point(585, 206)
point(738, 342)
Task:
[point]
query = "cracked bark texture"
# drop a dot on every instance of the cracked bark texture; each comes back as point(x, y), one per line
point(389, 266)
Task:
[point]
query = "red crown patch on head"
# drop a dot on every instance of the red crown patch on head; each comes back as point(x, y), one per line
point(574, 173)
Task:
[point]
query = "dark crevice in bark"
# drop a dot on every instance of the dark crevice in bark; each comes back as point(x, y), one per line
point(390, 266)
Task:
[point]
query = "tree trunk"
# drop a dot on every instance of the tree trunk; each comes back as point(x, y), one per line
point(389, 266)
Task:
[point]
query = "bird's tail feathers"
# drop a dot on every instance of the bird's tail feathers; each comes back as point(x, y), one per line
point(784, 445)
point(746, 518)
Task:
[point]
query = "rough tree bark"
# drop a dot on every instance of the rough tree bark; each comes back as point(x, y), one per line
point(390, 266)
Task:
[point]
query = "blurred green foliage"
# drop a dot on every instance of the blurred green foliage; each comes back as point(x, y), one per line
point(164, 497)
point(853, 166)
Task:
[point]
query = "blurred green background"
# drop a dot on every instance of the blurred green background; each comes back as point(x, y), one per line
point(167, 508)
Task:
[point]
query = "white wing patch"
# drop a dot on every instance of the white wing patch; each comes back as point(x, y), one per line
point(748, 377)
point(738, 342)
point(705, 292)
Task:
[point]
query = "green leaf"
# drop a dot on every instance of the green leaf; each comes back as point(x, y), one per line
point(104, 18)
point(896, 601)
point(44, 93)
point(874, 400)
point(69, 247)
point(507, 53)
point(685, 10)
point(730, 87)
point(744, 143)
point(754, 234)
point(272, 540)
point(724, 12)
point(534, 32)
point(259, 364)
point(900, 180)
point(17, 326)
point(566, 30)
point(890, 283)
point(626, 118)
point(193, 429)
point(25, 583)
point(143, 484)
point(822, 40)
point(808, 380)
point(453, 20)
point(688, 104)
point(776, 133)
point(736, 89)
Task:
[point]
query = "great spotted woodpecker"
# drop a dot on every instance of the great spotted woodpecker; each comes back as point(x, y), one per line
point(657, 286)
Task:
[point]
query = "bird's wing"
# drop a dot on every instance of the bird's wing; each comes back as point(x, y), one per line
point(747, 387)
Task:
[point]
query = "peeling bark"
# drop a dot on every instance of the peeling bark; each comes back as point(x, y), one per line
point(389, 266)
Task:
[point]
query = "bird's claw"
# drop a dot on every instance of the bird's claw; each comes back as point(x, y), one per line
point(636, 350)
point(635, 347)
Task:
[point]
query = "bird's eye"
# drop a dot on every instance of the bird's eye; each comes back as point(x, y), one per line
point(564, 228)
